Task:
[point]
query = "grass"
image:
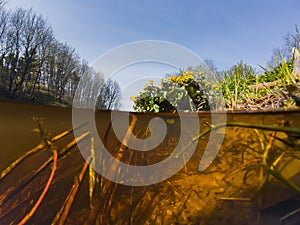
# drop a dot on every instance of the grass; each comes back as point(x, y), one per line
point(40, 98)
point(242, 89)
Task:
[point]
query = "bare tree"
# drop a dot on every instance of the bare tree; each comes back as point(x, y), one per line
point(33, 62)
point(61, 65)
point(26, 33)
point(15, 35)
point(36, 34)
point(110, 95)
point(89, 88)
point(48, 38)
point(3, 42)
point(291, 41)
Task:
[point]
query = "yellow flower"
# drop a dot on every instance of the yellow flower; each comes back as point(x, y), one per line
point(132, 98)
point(184, 78)
point(146, 86)
point(151, 82)
point(188, 73)
point(173, 79)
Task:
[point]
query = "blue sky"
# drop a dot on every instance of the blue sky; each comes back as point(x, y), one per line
point(223, 31)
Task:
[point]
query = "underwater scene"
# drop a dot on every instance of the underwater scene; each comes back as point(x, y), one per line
point(253, 179)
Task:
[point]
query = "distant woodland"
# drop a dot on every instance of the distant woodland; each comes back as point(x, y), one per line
point(35, 66)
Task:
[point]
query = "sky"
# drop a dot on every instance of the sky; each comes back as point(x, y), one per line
point(225, 32)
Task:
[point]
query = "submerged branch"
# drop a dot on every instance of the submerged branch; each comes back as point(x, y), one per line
point(42, 196)
point(63, 213)
point(211, 128)
point(27, 179)
point(34, 150)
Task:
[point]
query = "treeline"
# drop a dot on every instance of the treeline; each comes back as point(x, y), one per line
point(35, 65)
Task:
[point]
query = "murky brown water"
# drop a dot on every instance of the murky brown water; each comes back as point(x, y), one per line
point(16, 127)
point(228, 192)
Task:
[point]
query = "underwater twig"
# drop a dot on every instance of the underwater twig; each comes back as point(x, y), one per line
point(30, 152)
point(278, 159)
point(135, 202)
point(125, 140)
point(63, 213)
point(42, 196)
point(289, 214)
point(189, 192)
point(109, 188)
point(94, 213)
point(268, 147)
point(20, 159)
point(27, 179)
point(238, 124)
point(51, 147)
point(272, 170)
point(259, 126)
point(12, 191)
point(34, 150)
point(74, 143)
point(105, 138)
point(185, 156)
point(92, 174)
point(234, 199)
point(264, 158)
